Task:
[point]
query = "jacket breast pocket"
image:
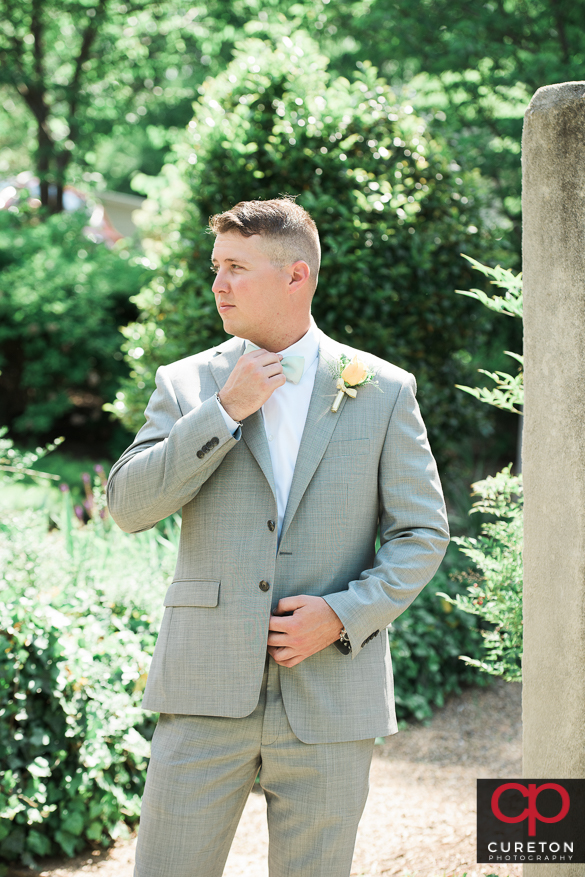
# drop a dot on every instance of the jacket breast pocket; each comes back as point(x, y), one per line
point(192, 593)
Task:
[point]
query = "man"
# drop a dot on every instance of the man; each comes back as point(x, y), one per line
point(272, 658)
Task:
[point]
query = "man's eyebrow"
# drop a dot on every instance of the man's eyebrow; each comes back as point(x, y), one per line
point(230, 259)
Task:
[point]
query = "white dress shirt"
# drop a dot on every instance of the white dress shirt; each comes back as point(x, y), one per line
point(285, 414)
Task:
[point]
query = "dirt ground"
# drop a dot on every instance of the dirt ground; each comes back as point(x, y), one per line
point(419, 820)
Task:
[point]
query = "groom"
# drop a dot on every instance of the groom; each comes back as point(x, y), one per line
point(273, 658)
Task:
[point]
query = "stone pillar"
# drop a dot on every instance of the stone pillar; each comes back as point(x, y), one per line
point(554, 440)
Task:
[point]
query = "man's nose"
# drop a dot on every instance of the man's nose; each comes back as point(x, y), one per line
point(219, 284)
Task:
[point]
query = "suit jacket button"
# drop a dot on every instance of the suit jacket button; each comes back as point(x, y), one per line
point(214, 441)
point(264, 586)
point(201, 454)
point(271, 526)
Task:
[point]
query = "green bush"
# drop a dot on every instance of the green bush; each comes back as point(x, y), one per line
point(75, 645)
point(494, 587)
point(393, 207)
point(63, 298)
point(426, 642)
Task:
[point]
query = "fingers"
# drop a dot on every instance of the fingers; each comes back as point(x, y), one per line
point(263, 355)
point(285, 657)
point(299, 627)
point(256, 376)
point(275, 638)
point(289, 604)
point(264, 358)
point(276, 649)
point(275, 372)
point(279, 624)
point(270, 363)
point(283, 634)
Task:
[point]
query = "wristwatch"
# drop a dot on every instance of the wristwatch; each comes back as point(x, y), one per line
point(343, 644)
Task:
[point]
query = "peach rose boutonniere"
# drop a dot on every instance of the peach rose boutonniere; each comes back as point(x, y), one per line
point(350, 374)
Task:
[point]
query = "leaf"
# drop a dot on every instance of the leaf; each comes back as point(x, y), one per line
point(73, 823)
point(14, 843)
point(38, 843)
point(507, 395)
point(67, 842)
point(511, 303)
point(94, 831)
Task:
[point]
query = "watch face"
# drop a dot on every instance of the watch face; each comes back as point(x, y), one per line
point(343, 643)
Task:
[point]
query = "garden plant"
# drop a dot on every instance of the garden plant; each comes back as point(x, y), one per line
point(494, 591)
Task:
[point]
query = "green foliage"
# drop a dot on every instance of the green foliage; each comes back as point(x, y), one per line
point(508, 393)
point(62, 299)
point(90, 71)
point(391, 203)
point(99, 90)
point(426, 642)
point(15, 465)
point(475, 64)
point(32, 480)
point(495, 587)
point(116, 90)
point(511, 303)
point(75, 645)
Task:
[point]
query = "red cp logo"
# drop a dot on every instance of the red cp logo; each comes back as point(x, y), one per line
point(532, 791)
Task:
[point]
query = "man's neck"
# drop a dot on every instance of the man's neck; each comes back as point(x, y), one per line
point(282, 340)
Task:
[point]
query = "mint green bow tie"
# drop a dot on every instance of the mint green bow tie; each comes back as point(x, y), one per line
point(292, 366)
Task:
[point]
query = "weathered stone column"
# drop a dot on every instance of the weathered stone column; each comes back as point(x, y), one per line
point(554, 440)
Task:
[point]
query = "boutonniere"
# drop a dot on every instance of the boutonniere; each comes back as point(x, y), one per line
point(350, 375)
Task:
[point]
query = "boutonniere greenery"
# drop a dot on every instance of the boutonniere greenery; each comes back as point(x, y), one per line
point(350, 374)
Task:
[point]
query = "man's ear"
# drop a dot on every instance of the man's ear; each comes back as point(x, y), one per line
point(299, 274)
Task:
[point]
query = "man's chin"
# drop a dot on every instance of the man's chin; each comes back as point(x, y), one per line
point(237, 326)
point(229, 328)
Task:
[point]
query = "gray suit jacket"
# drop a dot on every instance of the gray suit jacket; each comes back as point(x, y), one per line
point(367, 466)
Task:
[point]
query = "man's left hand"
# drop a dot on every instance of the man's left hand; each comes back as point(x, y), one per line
point(312, 627)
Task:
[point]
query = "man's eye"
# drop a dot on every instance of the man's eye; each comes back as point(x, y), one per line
point(214, 268)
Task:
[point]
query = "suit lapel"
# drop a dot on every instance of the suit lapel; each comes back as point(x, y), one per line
point(254, 435)
point(319, 427)
point(253, 431)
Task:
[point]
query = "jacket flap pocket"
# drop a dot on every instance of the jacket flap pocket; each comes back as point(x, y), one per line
point(192, 593)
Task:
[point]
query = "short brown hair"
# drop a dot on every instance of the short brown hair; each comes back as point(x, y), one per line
point(289, 232)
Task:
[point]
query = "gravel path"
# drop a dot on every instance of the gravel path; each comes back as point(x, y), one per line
point(420, 817)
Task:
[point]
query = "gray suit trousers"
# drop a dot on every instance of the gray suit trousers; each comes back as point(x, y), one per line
point(202, 769)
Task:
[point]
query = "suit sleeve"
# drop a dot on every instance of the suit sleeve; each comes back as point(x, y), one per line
point(170, 459)
point(414, 532)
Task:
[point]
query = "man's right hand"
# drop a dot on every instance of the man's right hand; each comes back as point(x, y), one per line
point(254, 379)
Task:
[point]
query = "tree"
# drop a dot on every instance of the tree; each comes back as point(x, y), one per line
point(81, 67)
point(62, 299)
point(477, 64)
point(392, 205)
point(111, 82)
